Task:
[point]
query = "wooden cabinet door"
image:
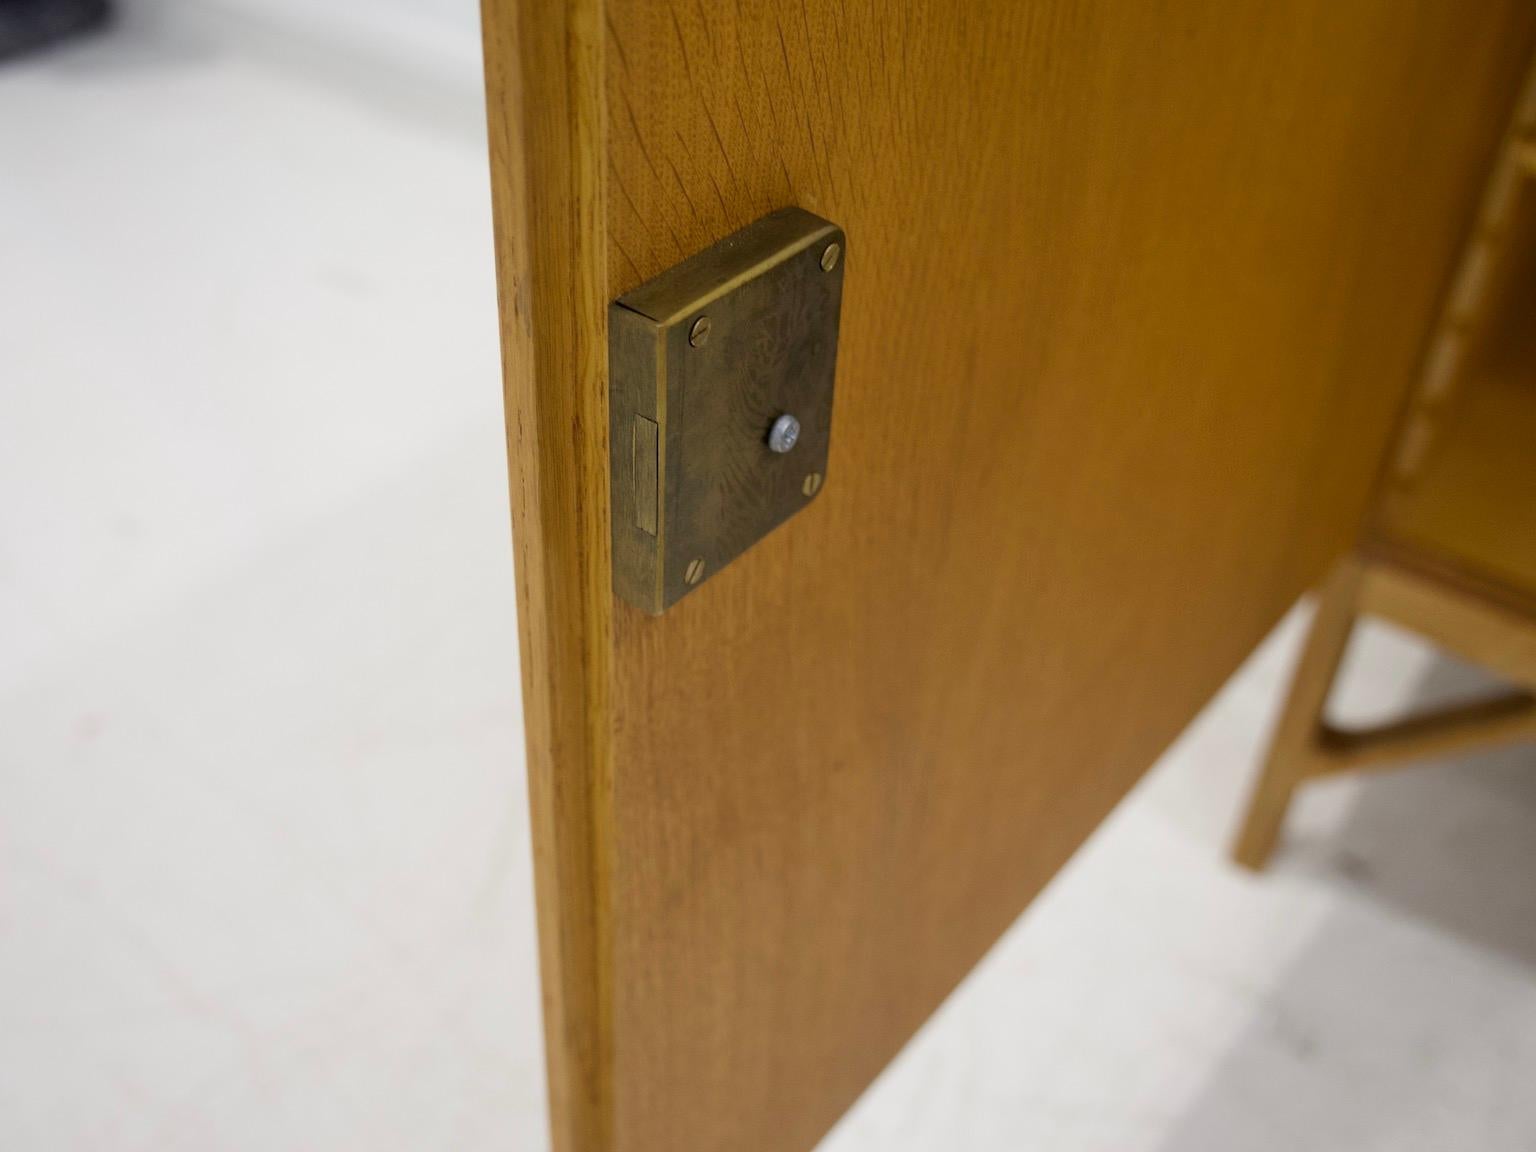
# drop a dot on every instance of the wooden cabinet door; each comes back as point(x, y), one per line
point(1132, 294)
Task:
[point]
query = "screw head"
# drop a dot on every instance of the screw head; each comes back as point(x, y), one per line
point(784, 433)
point(829, 256)
point(812, 484)
point(695, 571)
point(699, 333)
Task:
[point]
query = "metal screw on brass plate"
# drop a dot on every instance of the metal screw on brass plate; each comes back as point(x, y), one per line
point(695, 571)
point(829, 256)
point(784, 433)
point(699, 333)
point(812, 484)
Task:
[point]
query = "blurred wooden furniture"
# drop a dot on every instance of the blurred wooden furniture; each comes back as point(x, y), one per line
point(1450, 547)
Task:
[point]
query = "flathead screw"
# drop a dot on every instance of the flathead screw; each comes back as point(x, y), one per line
point(829, 256)
point(699, 333)
point(695, 571)
point(812, 484)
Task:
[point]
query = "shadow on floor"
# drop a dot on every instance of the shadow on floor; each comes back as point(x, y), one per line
point(1449, 842)
point(140, 36)
point(370, 62)
point(1383, 1034)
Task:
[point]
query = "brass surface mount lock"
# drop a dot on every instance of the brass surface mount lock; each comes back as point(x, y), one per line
point(720, 401)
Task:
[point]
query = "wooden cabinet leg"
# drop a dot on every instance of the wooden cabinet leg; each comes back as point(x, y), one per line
point(1294, 753)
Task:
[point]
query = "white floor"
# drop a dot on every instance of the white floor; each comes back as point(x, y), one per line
point(264, 875)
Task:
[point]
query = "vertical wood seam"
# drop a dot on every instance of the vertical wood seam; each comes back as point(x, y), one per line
point(546, 120)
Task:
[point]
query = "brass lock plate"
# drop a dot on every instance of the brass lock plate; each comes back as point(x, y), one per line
point(720, 401)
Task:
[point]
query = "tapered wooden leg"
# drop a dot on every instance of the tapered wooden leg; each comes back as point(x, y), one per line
point(1296, 748)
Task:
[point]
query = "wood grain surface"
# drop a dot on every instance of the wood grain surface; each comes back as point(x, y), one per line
point(1133, 295)
point(543, 70)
